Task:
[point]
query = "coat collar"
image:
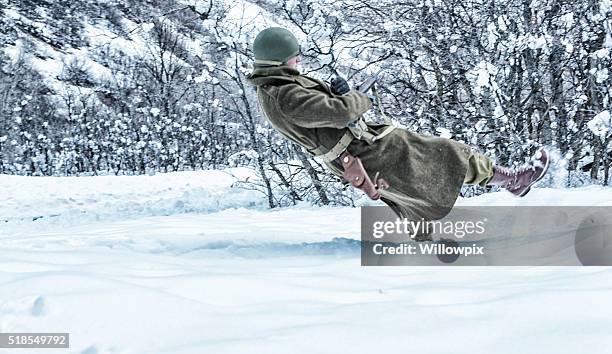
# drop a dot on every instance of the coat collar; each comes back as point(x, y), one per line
point(264, 75)
point(274, 71)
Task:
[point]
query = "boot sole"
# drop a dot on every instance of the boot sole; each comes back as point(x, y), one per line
point(539, 178)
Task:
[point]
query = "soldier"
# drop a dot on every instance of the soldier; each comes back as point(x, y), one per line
point(417, 176)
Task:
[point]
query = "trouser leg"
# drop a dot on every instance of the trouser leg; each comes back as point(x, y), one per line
point(480, 169)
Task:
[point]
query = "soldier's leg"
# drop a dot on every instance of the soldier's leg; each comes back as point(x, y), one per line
point(480, 169)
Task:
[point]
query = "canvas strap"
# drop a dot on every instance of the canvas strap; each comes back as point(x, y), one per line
point(388, 121)
point(336, 150)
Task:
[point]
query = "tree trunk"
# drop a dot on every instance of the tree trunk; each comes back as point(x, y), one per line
point(294, 196)
point(314, 177)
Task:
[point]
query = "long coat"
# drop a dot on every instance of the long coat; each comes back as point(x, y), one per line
point(425, 173)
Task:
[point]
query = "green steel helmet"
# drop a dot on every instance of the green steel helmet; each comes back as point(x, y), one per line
point(274, 46)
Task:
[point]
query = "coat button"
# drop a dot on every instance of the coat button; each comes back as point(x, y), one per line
point(346, 159)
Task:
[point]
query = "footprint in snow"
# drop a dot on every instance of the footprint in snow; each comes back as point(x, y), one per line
point(38, 308)
point(90, 350)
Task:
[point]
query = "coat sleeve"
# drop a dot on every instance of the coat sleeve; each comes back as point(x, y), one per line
point(311, 108)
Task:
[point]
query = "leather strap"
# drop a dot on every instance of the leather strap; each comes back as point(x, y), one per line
point(357, 176)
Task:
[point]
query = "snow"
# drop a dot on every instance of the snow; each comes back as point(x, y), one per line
point(65, 201)
point(601, 75)
point(601, 124)
point(538, 42)
point(155, 112)
point(444, 133)
point(187, 263)
point(14, 51)
point(602, 53)
point(568, 19)
point(483, 75)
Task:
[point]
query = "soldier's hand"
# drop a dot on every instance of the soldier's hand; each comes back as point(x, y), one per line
point(339, 86)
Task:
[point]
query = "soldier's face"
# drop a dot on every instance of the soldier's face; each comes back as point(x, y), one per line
point(293, 62)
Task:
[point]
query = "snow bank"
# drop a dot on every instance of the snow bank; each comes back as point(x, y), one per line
point(185, 263)
point(184, 211)
point(76, 200)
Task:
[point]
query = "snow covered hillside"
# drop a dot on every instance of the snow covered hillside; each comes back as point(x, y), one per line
point(185, 263)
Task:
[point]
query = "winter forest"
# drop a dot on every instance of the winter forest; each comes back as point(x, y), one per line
point(131, 87)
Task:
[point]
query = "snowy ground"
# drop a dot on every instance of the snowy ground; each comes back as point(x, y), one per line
point(173, 264)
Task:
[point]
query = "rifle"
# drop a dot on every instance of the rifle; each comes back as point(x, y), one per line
point(368, 83)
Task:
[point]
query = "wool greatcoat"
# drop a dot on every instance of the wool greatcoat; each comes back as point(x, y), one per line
point(425, 173)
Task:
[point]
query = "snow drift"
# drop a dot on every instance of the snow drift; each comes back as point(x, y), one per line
point(187, 263)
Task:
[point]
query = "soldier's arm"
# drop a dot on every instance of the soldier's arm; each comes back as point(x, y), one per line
point(315, 109)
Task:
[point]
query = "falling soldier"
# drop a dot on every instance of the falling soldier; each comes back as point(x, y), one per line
point(417, 176)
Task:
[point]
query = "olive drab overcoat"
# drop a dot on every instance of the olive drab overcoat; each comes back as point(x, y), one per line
point(425, 173)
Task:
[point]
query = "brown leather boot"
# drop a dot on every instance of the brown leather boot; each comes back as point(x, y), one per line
point(519, 181)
